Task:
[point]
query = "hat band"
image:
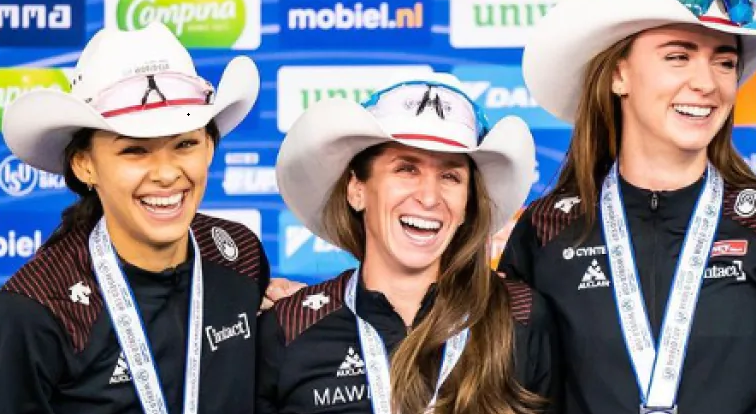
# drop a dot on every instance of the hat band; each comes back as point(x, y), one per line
point(432, 138)
point(154, 105)
point(718, 20)
point(147, 92)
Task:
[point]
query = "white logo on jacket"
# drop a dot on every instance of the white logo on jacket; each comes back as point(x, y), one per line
point(80, 293)
point(352, 366)
point(567, 203)
point(589, 251)
point(593, 277)
point(240, 328)
point(225, 244)
point(723, 270)
point(317, 301)
point(329, 396)
point(121, 371)
point(745, 204)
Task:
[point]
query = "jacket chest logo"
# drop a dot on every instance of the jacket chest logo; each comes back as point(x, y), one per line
point(216, 336)
point(745, 204)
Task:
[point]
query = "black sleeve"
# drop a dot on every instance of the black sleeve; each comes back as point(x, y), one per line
point(517, 260)
point(544, 372)
point(32, 355)
point(270, 356)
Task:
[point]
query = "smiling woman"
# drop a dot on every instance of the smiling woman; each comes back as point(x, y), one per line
point(413, 183)
point(144, 197)
point(396, 181)
point(647, 268)
point(111, 315)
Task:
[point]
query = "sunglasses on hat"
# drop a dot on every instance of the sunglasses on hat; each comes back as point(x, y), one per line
point(740, 12)
point(449, 102)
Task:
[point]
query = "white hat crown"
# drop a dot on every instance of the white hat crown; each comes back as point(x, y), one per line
point(113, 89)
point(114, 55)
point(574, 32)
point(433, 107)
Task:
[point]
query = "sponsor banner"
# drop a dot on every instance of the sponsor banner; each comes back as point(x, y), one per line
point(301, 86)
point(249, 180)
point(551, 148)
point(19, 182)
point(745, 104)
point(213, 24)
point(241, 173)
point(42, 23)
point(501, 91)
point(21, 235)
point(494, 23)
point(249, 217)
point(302, 253)
point(744, 140)
point(15, 82)
point(321, 24)
point(729, 248)
point(25, 188)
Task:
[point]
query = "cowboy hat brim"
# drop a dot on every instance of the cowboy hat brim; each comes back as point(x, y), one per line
point(39, 125)
point(321, 143)
point(573, 32)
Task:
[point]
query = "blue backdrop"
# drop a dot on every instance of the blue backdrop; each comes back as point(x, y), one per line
point(306, 50)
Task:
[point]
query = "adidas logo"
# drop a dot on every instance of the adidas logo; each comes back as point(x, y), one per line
point(121, 372)
point(594, 277)
point(352, 366)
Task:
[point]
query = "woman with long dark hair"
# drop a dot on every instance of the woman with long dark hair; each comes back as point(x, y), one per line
point(137, 303)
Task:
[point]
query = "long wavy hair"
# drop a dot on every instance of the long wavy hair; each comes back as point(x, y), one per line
point(596, 137)
point(483, 380)
point(87, 210)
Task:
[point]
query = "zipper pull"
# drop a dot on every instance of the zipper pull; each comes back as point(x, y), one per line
point(654, 201)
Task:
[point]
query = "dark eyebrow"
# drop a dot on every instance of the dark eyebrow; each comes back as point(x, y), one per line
point(406, 158)
point(694, 47)
point(450, 163)
point(726, 49)
point(142, 139)
point(680, 43)
point(454, 163)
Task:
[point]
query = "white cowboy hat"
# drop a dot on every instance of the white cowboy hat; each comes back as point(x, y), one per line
point(321, 143)
point(574, 31)
point(108, 93)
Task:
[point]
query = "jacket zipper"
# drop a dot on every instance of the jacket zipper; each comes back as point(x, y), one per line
point(652, 276)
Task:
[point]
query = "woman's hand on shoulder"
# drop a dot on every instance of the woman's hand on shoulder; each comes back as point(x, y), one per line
point(278, 289)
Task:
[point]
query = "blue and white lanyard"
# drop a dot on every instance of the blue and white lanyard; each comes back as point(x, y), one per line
point(129, 327)
point(376, 359)
point(658, 371)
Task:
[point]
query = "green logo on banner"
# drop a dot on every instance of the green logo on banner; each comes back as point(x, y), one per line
point(16, 82)
point(197, 23)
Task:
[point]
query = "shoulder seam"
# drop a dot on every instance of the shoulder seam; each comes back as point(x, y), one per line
point(549, 220)
point(47, 278)
point(229, 244)
point(292, 314)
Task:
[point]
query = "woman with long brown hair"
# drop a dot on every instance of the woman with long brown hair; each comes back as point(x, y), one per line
point(643, 245)
point(412, 184)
